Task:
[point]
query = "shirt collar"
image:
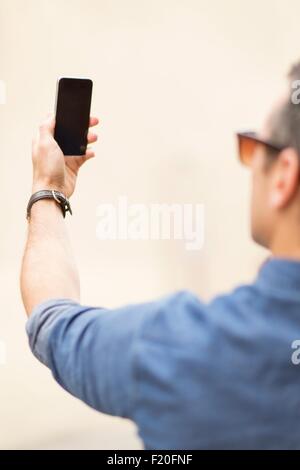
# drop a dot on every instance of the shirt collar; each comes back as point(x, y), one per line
point(280, 276)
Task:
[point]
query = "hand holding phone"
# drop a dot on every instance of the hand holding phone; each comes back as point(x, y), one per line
point(73, 106)
point(66, 136)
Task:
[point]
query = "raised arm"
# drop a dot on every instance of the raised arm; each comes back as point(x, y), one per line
point(48, 268)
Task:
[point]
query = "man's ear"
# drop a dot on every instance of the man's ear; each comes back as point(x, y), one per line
point(285, 178)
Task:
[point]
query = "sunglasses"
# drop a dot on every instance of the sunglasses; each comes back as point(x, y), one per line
point(247, 144)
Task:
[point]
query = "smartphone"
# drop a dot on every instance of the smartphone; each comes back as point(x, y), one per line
point(73, 106)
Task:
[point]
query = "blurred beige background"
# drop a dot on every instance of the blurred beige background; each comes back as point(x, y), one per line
point(173, 80)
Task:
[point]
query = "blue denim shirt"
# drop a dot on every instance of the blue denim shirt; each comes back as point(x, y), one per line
point(189, 374)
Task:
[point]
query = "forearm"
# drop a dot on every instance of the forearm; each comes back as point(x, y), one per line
point(48, 268)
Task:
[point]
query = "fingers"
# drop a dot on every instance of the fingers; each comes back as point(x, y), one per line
point(92, 138)
point(48, 125)
point(89, 154)
point(46, 130)
point(94, 121)
point(77, 162)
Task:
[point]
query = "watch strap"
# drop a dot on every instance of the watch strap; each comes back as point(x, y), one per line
point(58, 197)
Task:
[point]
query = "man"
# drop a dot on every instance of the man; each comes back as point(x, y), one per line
point(190, 375)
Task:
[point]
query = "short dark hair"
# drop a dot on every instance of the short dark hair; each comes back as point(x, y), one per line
point(285, 123)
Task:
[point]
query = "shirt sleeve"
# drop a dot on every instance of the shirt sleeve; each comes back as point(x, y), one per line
point(91, 351)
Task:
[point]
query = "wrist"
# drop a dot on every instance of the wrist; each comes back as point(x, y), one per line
point(40, 183)
point(41, 186)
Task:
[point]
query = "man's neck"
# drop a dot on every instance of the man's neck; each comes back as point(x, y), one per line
point(286, 243)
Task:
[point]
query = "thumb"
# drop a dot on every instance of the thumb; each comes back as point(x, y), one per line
point(47, 126)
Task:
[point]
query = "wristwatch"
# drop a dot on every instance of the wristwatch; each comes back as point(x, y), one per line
point(58, 197)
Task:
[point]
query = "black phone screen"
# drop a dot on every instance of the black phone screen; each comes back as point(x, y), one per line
point(73, 108)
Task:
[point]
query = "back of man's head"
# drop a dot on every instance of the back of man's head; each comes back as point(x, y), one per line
point(285, 120)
